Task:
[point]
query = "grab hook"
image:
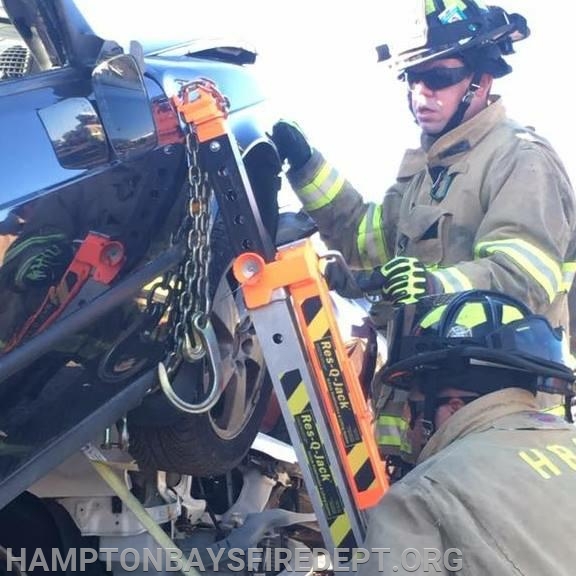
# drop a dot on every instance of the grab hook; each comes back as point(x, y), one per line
point(208, 343)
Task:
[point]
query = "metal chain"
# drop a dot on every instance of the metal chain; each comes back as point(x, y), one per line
point(190, 290)
point(187, 288)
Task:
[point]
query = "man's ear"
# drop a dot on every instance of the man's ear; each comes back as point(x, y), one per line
point(485, 86)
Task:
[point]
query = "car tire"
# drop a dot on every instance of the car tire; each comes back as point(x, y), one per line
point(212, 443)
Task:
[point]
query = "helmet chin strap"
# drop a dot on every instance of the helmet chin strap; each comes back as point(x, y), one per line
point(429, 414)
point(458, 115)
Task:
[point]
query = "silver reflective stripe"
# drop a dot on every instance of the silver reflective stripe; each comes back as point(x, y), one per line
point(543, 269)
point(322, 189)
point(370, 240)
point(452, 280)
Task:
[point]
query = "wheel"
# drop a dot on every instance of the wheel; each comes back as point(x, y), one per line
point(212, 443)
point(39, 527)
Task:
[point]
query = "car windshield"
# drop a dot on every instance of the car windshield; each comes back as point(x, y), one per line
point(8, 34)
point(170, 22)
point(14, 57)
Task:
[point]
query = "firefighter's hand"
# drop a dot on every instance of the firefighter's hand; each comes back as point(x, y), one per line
point(291, 144)
point(407, 280)
point(353, 283)
point(36, 261)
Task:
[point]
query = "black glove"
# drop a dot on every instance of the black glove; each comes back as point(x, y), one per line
point(291, 144)
point(353, 283)
point(36, 261)
point(407, 280)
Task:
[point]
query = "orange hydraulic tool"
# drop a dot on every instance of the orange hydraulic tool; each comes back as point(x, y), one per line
point(99, 259)
point(323, 404)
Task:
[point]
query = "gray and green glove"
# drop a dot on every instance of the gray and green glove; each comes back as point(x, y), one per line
point(36, 261)
point(291, 143)
point(407, 280)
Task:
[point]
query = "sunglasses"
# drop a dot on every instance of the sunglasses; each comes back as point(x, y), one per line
point(436, 78)
point(417, 406)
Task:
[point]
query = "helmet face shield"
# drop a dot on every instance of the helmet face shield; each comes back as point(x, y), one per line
point(530, 337)
point(534, 338)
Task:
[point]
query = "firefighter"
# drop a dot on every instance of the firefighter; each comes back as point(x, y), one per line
point(492, 489)
point(484, 202)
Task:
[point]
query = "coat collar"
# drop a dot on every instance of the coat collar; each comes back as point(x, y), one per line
point(451, 146)
point(478, 416)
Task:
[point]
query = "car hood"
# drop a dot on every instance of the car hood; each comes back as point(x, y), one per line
point(223, 49)
point(67, 35)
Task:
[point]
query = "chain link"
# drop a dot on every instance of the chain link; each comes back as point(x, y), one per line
point(188, 290)
point(190, 284)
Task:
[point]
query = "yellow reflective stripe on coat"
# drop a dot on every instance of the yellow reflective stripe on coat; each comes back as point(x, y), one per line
point(558, 410)
point(370, 240)
point(391, 432)
point(430, 7)
point(568, 273)
point(386, 420)
point(322, 189)
point(452, 280)
point(546, 271)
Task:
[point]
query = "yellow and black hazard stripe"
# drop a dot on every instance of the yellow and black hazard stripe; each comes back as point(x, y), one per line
point(298, 402)
point(318, 329)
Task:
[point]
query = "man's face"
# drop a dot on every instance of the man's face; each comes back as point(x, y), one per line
point(448, 402)
point(434, 102)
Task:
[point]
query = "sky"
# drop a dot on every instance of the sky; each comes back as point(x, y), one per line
point(317, 64)
point(324, 74)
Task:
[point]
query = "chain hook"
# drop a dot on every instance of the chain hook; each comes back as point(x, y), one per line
point(209, 342)
point(192, 336)
point(194, 353)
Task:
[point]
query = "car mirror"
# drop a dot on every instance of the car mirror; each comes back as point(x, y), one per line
point(76, 133)
point(124, 107)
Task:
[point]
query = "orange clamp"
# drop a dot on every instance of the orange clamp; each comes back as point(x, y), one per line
point(202, 105)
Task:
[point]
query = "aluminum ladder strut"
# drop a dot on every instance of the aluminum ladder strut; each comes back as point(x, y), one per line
point(322, 402)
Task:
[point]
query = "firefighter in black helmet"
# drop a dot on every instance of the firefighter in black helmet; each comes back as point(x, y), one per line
point(484, 203)
point(492, 488)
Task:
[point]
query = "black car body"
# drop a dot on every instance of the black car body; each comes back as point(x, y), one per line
point(76, 161)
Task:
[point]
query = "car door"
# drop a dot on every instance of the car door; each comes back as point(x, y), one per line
point(85, 195)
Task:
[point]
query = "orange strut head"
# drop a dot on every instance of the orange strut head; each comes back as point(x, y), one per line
point(247, 267)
